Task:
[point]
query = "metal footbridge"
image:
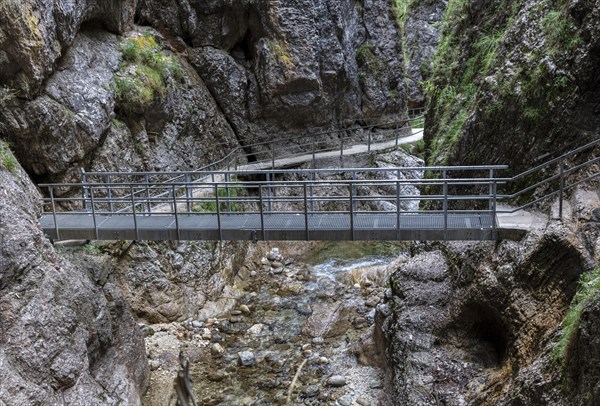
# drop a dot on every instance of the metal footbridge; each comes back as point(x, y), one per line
point(234, 199)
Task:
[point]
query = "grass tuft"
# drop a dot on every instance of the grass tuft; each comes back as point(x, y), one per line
point(588, 286)
point(7, 159)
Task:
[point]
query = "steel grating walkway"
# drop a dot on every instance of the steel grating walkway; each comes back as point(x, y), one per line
point(272, 226)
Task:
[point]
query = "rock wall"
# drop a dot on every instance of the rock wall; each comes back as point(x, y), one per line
point(283, 67)
point(479, 323)
point(67, 335)
point(513, 81)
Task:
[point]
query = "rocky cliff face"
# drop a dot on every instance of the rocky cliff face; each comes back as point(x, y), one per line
point(513, 80)
point(480, 323)
point(283, 67)
point(67, 335)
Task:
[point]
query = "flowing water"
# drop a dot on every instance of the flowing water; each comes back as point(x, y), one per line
point(300, 319)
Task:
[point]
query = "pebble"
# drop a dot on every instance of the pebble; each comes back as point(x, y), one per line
point(245, 309)
point(217, 349)
point(345, 400)
point(306, 347)
point(154, 364)
point(323, 360)
point(246, 358)
point(336, 381)
point(277, 265)
point(372, 301)
point(236, 312)
point(278, 270)
point(311, 391)
point(235, 319)
point(318, 340)
point(197, 324)
point(264, 261)
point(363, 401)
point(253, 273)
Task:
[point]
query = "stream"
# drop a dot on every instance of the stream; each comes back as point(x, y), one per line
point(309, 317)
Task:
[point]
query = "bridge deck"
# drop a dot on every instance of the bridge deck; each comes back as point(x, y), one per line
point(276, 226)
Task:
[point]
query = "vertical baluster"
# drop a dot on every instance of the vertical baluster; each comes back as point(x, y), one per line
point(54, 212)
point(307, 235)
point(175, 212)
point(133, 209)
point(218, 203)
point(351, 210)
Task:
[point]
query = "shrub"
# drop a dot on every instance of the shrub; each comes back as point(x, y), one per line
point(211, 206)
point(144, 73)
point(7, 159)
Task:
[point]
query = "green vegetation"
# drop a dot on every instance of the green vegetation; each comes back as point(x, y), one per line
point(365, 56)
point(588, 286)
point(560, 32)
point(91, 249)
point(211, 206)
point(7, 159)
point(144, 73)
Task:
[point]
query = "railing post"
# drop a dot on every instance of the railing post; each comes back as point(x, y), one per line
point(354, 188)
point(54, 212)
point(269, 191)
point(218, 204)
point(445, 204)
point(491, 190)
point(188, 194)
point(135, 225)
point(351, 210)
point(148, 203)
point(312, 202)
point(175, 211)
point(494, 210)
point(227, 180)
point(84, 189)
point(369, 142)
point(109, 193)
point(262, 217)
point(307, 236)
point(94, 213)
point(398, 208)
point(562, 188)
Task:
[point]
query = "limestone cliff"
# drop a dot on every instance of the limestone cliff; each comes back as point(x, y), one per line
point(67, 335)
point(513, 81)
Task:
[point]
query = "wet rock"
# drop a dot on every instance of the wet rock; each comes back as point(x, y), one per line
point(328, 320)
point(311, 391)
point(258, 330)
point(246, 358)
point(336, 381)
point(345, 400)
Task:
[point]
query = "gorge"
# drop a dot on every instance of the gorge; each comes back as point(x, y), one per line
point(154, 85)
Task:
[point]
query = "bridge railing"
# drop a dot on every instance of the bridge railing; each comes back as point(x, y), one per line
point(268, 152)
point(551, 179)
point(356, 192)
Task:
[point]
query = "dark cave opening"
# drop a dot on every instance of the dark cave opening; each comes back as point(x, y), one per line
point(244, 48)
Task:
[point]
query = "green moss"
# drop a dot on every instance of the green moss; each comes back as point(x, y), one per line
point(7, 159)
point(282, 54)
point(211, 206)
point(560, 32)
point(588, 286)
point(366, 58)
point(144, 73)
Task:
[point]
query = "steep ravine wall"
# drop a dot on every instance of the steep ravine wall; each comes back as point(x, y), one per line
point(513, 80)
point(481, 323)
